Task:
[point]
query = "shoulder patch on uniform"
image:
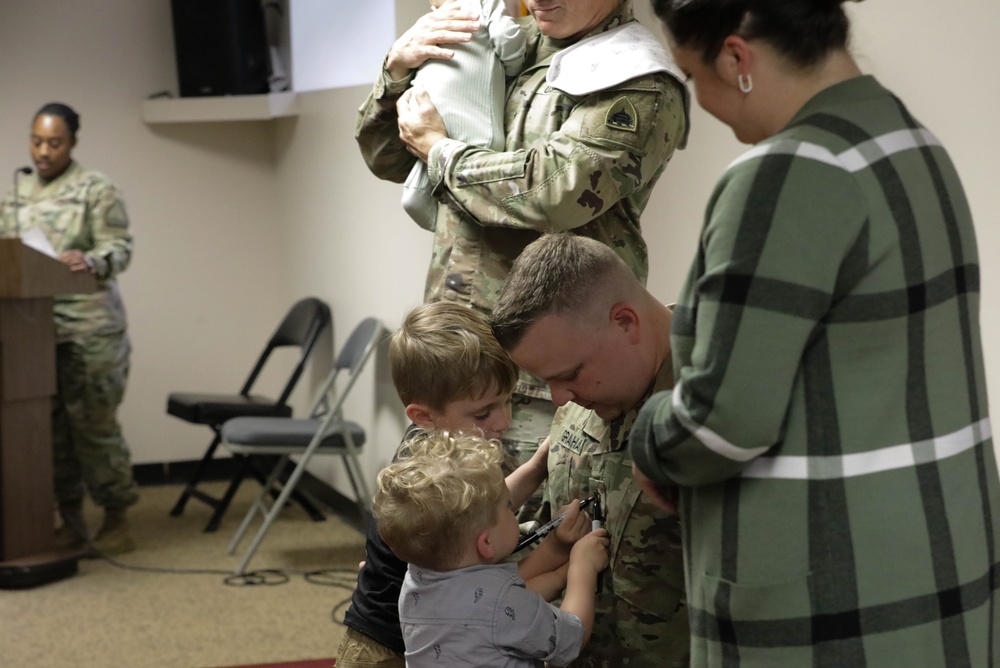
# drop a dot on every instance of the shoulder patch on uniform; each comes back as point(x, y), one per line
point(621, 115)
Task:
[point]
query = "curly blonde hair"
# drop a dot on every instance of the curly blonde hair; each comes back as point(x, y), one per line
point(442, 490)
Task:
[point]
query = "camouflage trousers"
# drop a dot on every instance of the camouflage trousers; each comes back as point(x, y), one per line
point(530, 423)
point(627, 636)
point(88, 450)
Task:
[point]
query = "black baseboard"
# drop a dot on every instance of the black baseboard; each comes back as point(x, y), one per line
point(224, 468)
point(178, 473)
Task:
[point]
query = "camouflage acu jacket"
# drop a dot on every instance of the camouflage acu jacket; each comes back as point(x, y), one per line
point(80, 210)
point(640, 616)
point(586, 164)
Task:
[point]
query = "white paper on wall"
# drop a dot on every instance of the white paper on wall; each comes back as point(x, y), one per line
point(337, 43)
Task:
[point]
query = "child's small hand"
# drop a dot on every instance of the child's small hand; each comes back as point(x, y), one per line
point(575, 526)
point(592, 550)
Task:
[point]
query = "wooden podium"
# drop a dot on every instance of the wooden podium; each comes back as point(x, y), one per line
point(28, 282)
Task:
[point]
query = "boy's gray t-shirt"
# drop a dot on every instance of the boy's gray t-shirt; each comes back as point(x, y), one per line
point(482, 616)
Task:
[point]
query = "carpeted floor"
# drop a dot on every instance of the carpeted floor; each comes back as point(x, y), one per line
point(152, 611)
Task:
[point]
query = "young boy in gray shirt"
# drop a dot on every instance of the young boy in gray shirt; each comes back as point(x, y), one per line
point(445, 508)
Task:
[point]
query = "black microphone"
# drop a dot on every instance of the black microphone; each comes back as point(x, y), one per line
point(17, 198)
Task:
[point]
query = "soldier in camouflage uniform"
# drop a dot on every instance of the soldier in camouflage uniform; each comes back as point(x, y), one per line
point(591, 123)
point(572, 313)
point(82, 215)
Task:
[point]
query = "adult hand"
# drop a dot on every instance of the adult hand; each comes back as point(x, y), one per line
point(76, 261)
point(449, 24)
point(664, 496)
point(420, 125)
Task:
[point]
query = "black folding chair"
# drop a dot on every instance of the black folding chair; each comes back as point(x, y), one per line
point(301, 328)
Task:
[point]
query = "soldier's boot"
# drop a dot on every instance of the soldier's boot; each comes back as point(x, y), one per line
point(114, 536)
point(72, 534)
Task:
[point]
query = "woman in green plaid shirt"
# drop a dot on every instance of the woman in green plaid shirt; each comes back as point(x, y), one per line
point(828, 429)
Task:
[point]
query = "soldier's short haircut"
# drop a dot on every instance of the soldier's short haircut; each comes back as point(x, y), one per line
point(442, 490)
point(445, 352)
point(556, 274)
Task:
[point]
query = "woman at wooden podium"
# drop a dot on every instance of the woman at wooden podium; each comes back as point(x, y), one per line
point(81, 214)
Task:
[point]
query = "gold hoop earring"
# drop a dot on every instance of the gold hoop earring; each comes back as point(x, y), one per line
point(746, 85)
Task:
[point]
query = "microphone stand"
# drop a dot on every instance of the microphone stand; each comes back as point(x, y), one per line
point(17, 199)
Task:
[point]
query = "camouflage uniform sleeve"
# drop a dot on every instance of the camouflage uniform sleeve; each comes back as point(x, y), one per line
point(612, 144)
point(108, 222)
point(377, 130)
point(7, 215)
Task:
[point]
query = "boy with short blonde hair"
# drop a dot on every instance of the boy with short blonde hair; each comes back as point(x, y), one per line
point(444, 506)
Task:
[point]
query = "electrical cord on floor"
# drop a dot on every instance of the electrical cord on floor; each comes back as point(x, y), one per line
point(94, 552)
point(265, 576)
point(344, 578)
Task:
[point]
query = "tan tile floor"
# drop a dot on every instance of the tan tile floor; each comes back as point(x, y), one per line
point(108, 616)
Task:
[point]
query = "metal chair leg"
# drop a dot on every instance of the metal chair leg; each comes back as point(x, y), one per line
point(259, 505)
point(270, 515)
point(221, 505)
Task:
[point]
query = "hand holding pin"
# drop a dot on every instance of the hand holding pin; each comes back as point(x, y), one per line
point(546, 528)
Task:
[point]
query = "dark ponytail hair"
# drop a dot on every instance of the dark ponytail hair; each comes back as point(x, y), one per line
point(64, 112)
point(804, 31)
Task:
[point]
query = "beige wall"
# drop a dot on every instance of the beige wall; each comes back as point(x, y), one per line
point(234, 221)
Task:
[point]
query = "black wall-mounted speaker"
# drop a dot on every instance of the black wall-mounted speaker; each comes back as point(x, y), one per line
point(221, 47)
